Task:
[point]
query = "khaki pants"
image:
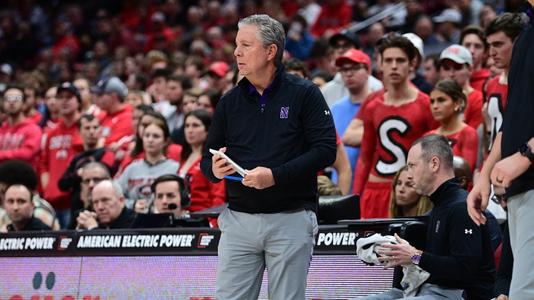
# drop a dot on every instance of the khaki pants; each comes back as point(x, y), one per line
point(281, 242)
point(521, 226)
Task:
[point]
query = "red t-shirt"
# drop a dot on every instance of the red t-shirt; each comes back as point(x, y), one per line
point(62, 143)
point(464, 143)
point(496, 97)
point(203, 193)
point(361, 111)
point(478, 78)
point(473, 110)
point(388, 134)
point(117, 127)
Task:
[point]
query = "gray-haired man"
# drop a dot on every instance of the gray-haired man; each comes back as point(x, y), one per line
point(278, 127)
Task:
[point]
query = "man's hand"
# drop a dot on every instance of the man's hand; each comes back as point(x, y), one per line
point(502, 297)
point(477, 200)
point(396, 254)
point(220, 167)
point(87, 220)
point(141, 206)
point(508, 169)
point(259, 178)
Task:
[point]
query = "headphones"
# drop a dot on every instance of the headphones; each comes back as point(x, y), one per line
point(185, 198)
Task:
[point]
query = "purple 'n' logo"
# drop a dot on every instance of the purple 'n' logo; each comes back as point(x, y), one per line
point(284, 112)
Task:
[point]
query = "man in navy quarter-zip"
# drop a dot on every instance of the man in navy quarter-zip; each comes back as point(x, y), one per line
point(279, 128)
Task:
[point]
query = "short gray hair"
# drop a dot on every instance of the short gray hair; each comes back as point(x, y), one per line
point(117, 190)
point(436, 145)
point(270, 31)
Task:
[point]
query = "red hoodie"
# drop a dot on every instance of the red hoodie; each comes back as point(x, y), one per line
point(21, 141)
point(61, 145)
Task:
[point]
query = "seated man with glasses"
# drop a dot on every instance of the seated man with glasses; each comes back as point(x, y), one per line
point(110, 211)
point(355, 69)
point(90, 175)
point(335, 90)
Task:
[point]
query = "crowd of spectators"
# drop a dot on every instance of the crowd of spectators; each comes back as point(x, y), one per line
point(124, 62)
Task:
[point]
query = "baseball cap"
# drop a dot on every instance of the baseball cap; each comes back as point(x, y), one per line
point(458, 54)
point(448, 15)
point(345, 35)
point(416, 41)
point(219, 68)
point(111, 85)
point(354, 55)
point(69, 87)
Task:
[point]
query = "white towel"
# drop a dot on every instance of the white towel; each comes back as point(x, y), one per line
point(413, 277)
point(366, 247)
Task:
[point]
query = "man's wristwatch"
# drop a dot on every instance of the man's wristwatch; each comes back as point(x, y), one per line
point(526, 151)
point(416, 258)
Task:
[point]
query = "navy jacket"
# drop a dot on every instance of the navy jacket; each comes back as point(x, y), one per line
point(458, 253)
point(518, 123)
point(293, 135)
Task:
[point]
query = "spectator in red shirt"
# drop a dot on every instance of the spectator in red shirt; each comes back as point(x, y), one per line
point(474, 39)
point(117, 118)
point(392, 120)
point(20, 137)
point(456, 63)
point(447, 102)
point(62, 143)
point(204, 193)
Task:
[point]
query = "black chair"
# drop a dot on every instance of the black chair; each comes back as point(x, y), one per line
point(335, 208)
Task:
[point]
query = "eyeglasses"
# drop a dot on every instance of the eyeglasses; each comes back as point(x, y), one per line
point(351, 69)
point(13, 98)
point(94, 179)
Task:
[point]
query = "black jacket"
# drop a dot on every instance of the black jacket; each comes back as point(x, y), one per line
point(293, 135)
point(458, 253)
point(518, 122)
point(33, 225)
point(124, 220)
